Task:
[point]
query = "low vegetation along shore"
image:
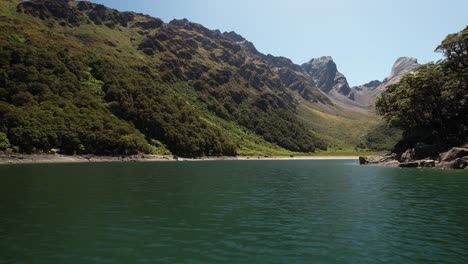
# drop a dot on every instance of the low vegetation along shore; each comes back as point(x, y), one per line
point(58, 158)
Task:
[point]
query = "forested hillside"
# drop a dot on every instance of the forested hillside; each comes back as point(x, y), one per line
point(84, 78)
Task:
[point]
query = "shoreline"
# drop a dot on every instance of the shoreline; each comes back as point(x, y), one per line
point(59, 158)
point(455, 158)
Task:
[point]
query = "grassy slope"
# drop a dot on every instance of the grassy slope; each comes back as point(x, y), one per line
point(343, 127)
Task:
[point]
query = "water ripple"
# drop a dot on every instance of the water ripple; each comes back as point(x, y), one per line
point(232, 212)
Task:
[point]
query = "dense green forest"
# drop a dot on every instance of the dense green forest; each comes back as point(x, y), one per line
point(84, 78)
point(431, 106)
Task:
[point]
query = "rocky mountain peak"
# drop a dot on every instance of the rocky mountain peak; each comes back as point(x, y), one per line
point(402, 66)
point(324, 72)
point(366, 94)
point(76, 13)
point(233, 36)
point(372, 84)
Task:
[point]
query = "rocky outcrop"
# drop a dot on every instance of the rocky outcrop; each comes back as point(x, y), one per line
point(386, 158)
point(401, 67)
point(151, 23)
point(325, 74)
point(233, 36)
point(372, 84)
point(407, 156)
point(49, 10)
point(77, 13)
point(460, 163)
point(453, 154)
point(363, 161)
point(282, 62)
point(366, 94)
point(427, 163)
point(455, 158)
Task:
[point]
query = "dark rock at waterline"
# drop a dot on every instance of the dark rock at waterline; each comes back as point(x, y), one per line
point(369, 160)
point(363, 161)
point(407, 156)
point(453, 154)
point(413, 164)
point(459, 163)
point(456, 158)
point(427, 163)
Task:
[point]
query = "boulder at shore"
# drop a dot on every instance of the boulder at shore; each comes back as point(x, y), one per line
point(455, 158)
point(452, 154)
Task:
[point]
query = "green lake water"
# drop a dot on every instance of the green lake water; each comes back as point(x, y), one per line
point(232, 212)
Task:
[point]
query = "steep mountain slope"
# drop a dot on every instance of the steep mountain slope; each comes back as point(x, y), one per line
point(350, 121)
point(88, 79)
point(325, 74)
point(367, 94)
point(85, 78)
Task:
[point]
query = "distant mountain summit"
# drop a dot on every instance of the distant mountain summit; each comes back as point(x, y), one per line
point(401, 67)
point(326, 76)
point(324, 72)
point(366, 94)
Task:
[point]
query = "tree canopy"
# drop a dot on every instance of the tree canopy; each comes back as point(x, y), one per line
point(431, 105)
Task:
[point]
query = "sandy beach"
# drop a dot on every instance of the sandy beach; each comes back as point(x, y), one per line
point(58, 158)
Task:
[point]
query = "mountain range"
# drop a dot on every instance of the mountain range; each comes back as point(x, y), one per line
point(326, 76)
point(85, 78)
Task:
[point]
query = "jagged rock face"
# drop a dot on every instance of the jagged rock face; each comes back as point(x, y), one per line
point(341, 84)
point(76, 13)
point(366, 94)
point(325, 74)
point(48, 9)
point(323, 71)
point(233, 36)
point(282, 62)
point(372, 84)
point(402, 66)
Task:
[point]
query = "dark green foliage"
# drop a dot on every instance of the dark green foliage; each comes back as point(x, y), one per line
point(275, 127)
point(50, 100)
point(432, 105)
point(381, 137)
point(4, 142)
point(159, 114)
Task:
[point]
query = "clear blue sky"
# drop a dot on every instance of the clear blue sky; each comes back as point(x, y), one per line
point(364, 37)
